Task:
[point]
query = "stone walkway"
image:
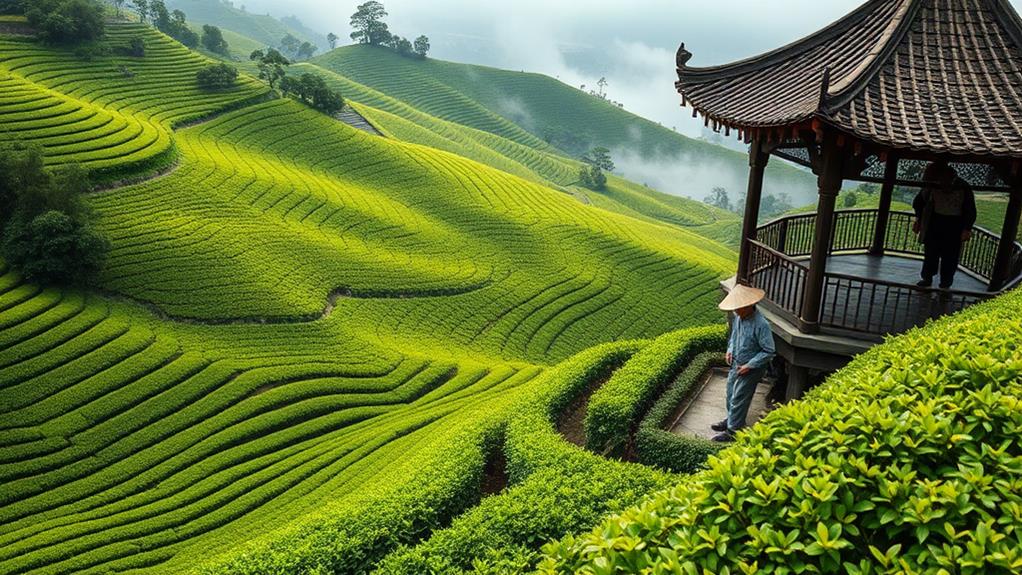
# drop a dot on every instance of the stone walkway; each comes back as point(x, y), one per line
point(707, 406)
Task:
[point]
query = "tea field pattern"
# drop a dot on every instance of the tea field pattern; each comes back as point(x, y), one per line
point(293, 314)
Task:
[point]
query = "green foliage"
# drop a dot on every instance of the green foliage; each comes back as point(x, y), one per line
point(718, 198)
point(556, 487)
point(272, 65)
point(213, 40)
point(66, 21)
point(53, 247)
point(12, 7)
point(217, 76)
point(615, 410)
point(172, 24)
point(46, 236)
point(656, 446)
point(313, 90)
point(422, 46)
point(906, 461)
point(368, 25)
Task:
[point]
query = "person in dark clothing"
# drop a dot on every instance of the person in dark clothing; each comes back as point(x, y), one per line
point(945, 213)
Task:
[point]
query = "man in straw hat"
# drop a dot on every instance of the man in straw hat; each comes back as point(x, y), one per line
point(749, 350)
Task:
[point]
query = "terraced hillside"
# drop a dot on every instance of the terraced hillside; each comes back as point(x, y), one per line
point(558, 115)
point(261, 28)
point(295, 318)
point(517, 152)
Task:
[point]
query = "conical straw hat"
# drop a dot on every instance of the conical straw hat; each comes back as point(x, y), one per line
point(742, 296)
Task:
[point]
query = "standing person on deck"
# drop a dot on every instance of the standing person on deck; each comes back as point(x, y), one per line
point(945, 213)
point(750, 349)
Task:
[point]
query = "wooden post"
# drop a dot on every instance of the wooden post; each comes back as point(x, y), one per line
point(798, 381)
point(884, 212)
point(829, 178)
point(1002, 263)
point(758, 158)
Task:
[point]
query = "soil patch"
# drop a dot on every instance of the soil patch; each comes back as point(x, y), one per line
point(495, 473)
point(571, 423)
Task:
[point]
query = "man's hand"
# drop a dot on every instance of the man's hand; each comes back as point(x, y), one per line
point(966, 235)
point(744, 370)
point(916, 225)
point(729, 358)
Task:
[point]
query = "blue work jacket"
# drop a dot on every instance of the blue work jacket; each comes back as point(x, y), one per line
point(751, 342)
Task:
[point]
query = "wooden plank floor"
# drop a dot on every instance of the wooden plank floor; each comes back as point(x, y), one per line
point(707, 406)
point(893, 268)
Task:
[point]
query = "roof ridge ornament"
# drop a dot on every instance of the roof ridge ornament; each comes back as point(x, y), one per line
point(683, 57)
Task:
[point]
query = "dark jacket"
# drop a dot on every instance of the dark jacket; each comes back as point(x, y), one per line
point(924, 208)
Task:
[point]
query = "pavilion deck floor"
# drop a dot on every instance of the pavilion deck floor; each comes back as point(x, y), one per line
point(894, 268)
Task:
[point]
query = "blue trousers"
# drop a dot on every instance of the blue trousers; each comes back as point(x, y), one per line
point(740, 389)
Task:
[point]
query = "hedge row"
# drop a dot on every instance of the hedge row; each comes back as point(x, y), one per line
point(906, 461)
point(615, 409)
point(656, 446)
point(557, 487)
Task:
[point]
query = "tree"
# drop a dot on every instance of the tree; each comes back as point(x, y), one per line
point(305, 51)
point(66, 21)
point(332, 39)
point(718, 197)
point(421, 46)
point(850, 200)
point(217, 76)
point(402, 46)
point(118, 4)
point(596, 161)
point(136, 47)
point(213, 40)
point(46, 233)
point(313, 90)
point(142, 8)
point(367, 21)
point(160, 16)
point(289, 45)
point(271, 65)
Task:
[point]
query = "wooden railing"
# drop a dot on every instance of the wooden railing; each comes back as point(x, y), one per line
point(779, 266)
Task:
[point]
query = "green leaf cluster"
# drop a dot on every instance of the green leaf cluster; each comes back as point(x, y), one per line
point(906, 461)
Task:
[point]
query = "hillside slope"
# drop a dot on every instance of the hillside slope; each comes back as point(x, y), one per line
point(261, 28)
point(294, 314)
point(556, 114)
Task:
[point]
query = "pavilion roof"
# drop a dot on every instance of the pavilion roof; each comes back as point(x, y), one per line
point(937, 76)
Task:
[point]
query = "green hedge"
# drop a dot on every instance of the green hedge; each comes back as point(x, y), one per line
point(558, 488)
point(615, 409)
point(907, 461)
point(658, 447)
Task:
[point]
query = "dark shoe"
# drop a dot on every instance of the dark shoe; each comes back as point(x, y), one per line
point(924, 283)
point(726, 437)
point(722, 426)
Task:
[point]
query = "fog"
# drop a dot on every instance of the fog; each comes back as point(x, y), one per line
point(629, 42)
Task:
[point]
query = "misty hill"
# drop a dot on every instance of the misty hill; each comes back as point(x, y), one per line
point(262, 29)
point(560, 116)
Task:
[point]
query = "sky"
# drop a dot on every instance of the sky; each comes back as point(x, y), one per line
point(630, 42)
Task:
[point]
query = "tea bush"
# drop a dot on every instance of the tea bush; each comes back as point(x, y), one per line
point(615, 409)
point(656, 446)
point(906, 461)
point(556, 488)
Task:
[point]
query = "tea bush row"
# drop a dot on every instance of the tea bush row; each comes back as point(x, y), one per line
point(658, 447)
point(614, 411)
point(906, 461)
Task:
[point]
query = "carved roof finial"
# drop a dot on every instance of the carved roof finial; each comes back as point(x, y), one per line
point(683, 56)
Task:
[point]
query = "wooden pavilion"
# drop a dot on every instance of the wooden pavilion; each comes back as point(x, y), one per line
point(874, 97)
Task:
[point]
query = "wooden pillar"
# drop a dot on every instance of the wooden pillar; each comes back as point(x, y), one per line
point(758, 158)
point(798, 381)
point(1002, 263)
point(884, 211)
point(830, 177)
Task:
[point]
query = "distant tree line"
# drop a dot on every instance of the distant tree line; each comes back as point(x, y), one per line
point(770, 204)
point(370, 29)
point(60, 21)
point(45, 230)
